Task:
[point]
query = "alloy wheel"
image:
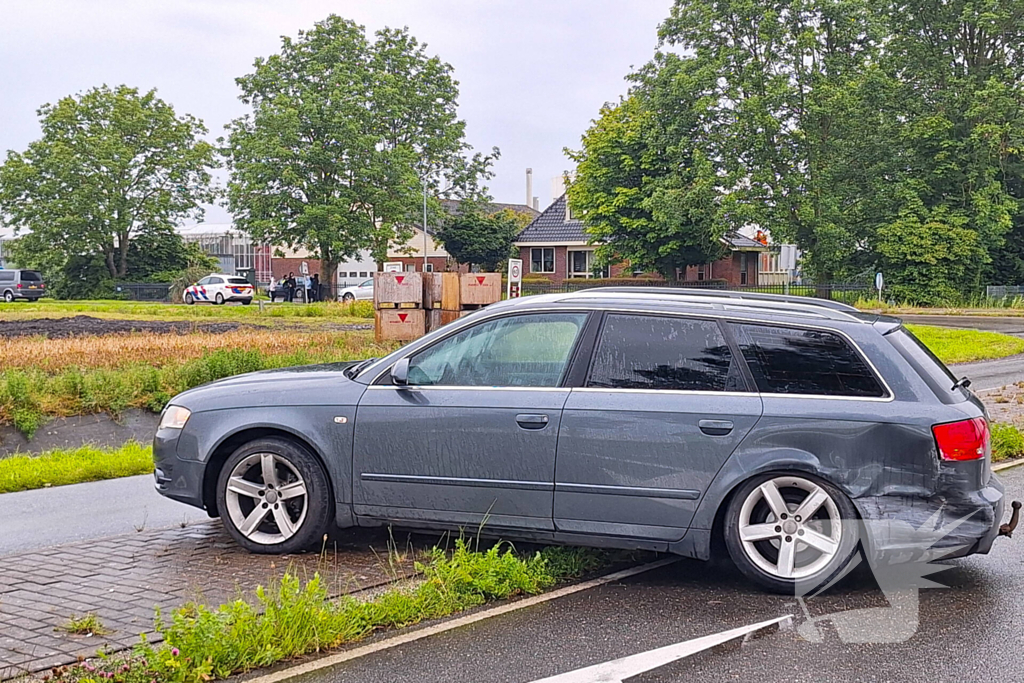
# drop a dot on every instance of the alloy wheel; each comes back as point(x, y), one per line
point(266, 498)
point(790, 527)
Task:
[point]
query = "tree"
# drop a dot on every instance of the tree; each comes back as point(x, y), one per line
point(342, 135)
point(113, 166)
point(474, 237)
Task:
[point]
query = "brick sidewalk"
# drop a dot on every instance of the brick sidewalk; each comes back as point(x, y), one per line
point(122, 579)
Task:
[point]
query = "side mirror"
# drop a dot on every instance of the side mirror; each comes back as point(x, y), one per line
point(400, 373)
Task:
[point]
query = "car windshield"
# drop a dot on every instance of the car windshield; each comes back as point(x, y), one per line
point(368, 283)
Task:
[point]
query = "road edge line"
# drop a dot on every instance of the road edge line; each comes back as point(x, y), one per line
point(459, 622)
point(999, 467)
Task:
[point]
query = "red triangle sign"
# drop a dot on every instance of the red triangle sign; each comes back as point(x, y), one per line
point(480, 280)
point(399, 278)
point(403, 316)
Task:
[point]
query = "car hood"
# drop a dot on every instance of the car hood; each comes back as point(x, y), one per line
point(295, 386)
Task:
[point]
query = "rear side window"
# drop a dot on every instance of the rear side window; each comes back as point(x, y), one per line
point(793, 361)
point(215, 281)
point(932, 370)
point(6, 276)
point(31, 276)
point(661, 352)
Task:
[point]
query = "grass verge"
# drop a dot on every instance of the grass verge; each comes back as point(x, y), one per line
point(148, 310)
point(295, 618)
point(1007, 442)
point(963, 346)
point(61, 467)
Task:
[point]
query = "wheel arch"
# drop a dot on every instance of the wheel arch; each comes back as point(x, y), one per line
point(234, 440)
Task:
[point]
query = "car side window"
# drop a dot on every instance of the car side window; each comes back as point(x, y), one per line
point(795, 361)
point(216, 281)
point(368, 283)
point(7, 276)
point(518, 351)
point(204, 281)
point(663, 352)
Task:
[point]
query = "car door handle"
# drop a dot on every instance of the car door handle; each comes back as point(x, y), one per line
point(532, 420)
point(715, 427)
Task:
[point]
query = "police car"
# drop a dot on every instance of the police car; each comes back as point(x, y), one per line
point(218, 289)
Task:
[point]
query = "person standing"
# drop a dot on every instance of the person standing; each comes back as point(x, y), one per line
point(289, 286)
point(314, 288)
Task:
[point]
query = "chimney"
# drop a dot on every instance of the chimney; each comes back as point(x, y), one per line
point(536, 204)
point(529, 186)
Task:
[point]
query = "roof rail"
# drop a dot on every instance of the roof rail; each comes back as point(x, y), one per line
point(725, 294)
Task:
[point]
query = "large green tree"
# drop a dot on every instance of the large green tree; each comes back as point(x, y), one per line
point(113, 166)
point(474, 236)
point(343, 134)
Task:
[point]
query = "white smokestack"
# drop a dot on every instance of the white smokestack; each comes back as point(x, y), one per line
point(529, 186)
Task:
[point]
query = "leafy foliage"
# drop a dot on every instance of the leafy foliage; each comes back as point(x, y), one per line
point(473, 236)
point(342, 136)
point(114, 171)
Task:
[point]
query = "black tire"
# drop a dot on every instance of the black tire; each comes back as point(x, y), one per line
point(189, 299)
point(9, 296)
point(246, 302)
point(320, 510)
point(219, 299)
point(348, 297)
point(848, 545)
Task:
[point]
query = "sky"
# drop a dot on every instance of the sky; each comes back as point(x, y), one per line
point(532, 73)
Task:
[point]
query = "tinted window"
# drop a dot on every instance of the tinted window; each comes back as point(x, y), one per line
point(792, 361)
point(31, 276)
point(237, 281)
point(934, 372)
point(6, 276)
point(652, 352)
point(527, 351)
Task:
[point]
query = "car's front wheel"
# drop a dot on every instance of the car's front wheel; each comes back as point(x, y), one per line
point(189, 299)
point(348, 297)
point(274, 497)
point(791, 533)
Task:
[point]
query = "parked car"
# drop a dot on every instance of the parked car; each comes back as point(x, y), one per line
point(361, 292)
point(26, 285)
point(654, 419)
point(219, 288)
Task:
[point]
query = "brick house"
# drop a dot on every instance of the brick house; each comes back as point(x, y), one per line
point(555, 246)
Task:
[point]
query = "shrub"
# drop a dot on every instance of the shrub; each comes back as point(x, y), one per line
point(1007, 442)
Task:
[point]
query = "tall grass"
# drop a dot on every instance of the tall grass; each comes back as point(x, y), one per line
point(146, 310)
point(72, 466)
point(293, 618)
point(29, 396)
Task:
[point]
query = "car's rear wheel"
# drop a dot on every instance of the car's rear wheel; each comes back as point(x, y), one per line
point(246, 302)
point(8, 296)
point(274, 497)
point(348, 297)
point(189, 299)
point(791, 533)
point(219, 299)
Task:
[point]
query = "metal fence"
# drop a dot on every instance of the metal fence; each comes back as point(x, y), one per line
point(1003, 291)
point(844, 292)
point(144, 291)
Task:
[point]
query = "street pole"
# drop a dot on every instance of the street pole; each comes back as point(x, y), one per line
point(424, 224)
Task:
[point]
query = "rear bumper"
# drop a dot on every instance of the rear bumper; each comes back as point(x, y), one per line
point(942, 526)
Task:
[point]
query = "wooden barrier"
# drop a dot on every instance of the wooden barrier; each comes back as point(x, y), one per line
point(397, 290)
point(399, 324)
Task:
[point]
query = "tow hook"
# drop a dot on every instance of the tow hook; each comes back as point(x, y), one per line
point(1007, 529)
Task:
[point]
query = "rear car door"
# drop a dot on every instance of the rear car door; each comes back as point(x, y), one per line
point(664, 404)
point(471, 439)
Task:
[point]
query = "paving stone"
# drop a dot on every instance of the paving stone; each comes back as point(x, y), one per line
point(123, 579)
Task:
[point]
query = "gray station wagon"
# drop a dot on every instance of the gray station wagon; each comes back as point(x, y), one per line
point(619, 417)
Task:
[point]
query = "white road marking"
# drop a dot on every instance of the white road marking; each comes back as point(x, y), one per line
point(619, 670)
point(419, 634)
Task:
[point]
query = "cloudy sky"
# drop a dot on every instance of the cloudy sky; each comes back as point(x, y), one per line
point(533, 73)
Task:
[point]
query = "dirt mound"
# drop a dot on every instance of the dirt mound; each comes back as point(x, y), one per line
point(84, 325)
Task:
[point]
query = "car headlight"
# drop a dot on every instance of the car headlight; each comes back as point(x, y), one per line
point(174, 417)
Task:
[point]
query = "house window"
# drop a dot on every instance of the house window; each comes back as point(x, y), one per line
point(542, 260)
point(581, 263)
point(701, 273)
point(743, 268)
point(430, 268)
point(361, 274)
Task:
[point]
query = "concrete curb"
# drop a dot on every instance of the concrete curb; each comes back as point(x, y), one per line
point(1000, 466)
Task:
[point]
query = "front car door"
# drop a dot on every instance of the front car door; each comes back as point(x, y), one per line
point(471, 439)
point(364, 292)
point(664, 404)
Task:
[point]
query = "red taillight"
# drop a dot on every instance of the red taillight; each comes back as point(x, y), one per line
point(964, 440)
point(19, 285)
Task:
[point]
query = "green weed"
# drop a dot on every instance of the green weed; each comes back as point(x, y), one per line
point(85, 625)
point(1007, 442)
point(73, 466)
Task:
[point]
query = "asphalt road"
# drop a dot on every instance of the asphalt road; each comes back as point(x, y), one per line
point(66, 514)
point(971, 631)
